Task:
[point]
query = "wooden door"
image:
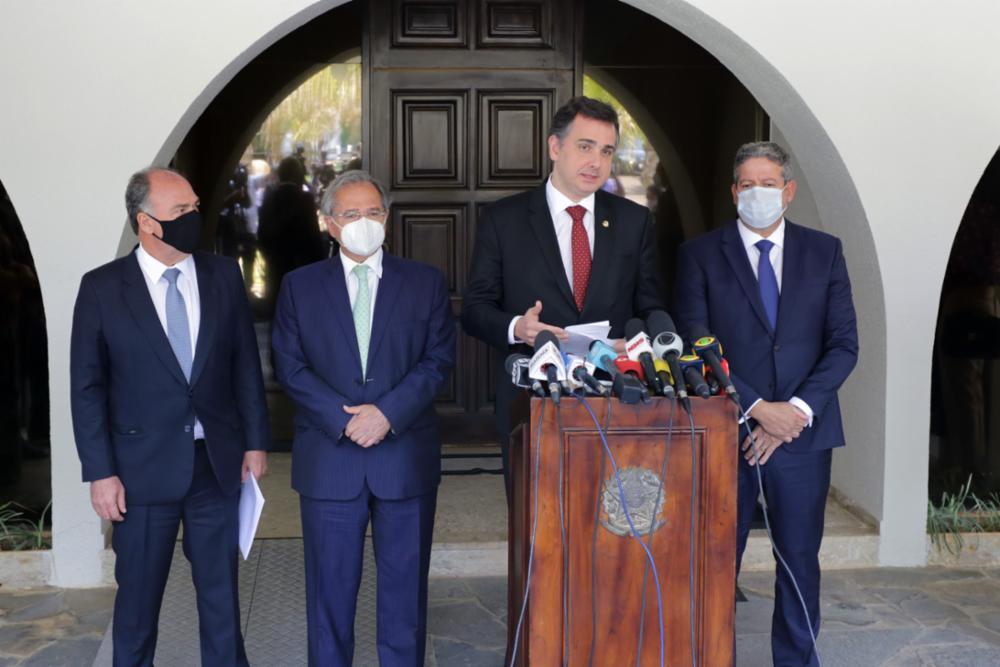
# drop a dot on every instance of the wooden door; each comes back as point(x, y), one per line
point(459, 96)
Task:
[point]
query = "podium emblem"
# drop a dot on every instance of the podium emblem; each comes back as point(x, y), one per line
point(644, 495)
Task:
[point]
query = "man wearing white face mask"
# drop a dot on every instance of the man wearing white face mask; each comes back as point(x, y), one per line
point(778, 297)
point(362, 343)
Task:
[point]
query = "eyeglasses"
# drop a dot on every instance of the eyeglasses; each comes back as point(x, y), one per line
point(354, 214)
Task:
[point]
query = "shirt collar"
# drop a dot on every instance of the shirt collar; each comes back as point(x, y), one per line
point(154, 268)
point(374, 262)
point(750, 237)
point(557, 201)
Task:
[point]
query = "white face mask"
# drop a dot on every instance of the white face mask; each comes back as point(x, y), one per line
point(760, 207)
point(363, 236)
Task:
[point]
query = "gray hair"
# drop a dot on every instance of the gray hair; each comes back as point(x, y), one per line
point(765, 149)
point(351, 177)
point(137, 193)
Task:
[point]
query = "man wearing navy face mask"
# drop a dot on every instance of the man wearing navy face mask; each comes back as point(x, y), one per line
point(169, 415)
point(779, 298)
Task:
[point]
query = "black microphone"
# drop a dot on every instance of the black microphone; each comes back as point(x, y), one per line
point(638, 348)
point(548, 356)
point(578, 371)
point(517, 367)
point(707, 347)
point(668, 346)
point(694, 374)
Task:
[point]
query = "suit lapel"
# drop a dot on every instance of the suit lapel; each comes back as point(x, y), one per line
point(604, 251)
point(336, 289)
point(540, 221)
point(208, 296)
point(736, 255)
point(389, 287)
point(140, 304)
point(791, 273)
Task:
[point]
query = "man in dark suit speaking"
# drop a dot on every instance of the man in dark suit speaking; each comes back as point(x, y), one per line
point(169, 415)
point(563, 253)
point(778, 297)
point(362, 343)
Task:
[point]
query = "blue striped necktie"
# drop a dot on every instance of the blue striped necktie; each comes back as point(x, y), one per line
point(178, 332)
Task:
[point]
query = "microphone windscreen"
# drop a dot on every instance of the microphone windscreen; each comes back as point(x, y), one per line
point(658, 322)
point(698, 331)
point(544, 337)
point(511, 361)
point(633, 328)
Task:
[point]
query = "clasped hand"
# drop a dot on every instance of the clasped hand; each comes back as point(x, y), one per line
point(368, 426)
point(777, 423)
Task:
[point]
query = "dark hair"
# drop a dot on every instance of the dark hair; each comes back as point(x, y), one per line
point(765, 149)
point(290, 170)
point(582, 106)
point(137, 193)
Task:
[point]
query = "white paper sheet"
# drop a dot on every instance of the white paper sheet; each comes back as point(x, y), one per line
point(251, 505)
point(582, 335)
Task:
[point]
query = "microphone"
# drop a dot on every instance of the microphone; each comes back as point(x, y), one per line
point(638, 348)
point(668, 346)
point(547, 363)
point(707, 347)
point(626, 388)
point(694, 374)
point(517, 367)
point(630, 368)
point(663, 373)
point(579, 374)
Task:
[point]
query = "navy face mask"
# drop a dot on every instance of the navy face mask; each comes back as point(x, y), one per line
point(183, 232)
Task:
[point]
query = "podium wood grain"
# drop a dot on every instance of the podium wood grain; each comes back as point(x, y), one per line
point(603, 579)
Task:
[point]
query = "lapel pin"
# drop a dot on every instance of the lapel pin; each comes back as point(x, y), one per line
point(605, 224)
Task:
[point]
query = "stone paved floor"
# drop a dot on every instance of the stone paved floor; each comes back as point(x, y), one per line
point(931, 617)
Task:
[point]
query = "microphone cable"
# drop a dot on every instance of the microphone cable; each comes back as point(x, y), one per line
point(593, 545)
point(770, 536)
point(628, 517)
point(562, 532)
point(652, 526)
point(534, 528)
point(691, 538)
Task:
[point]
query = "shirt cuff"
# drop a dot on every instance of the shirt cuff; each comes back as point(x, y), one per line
point(750, 409)
point(510, 331)
point(804, 407)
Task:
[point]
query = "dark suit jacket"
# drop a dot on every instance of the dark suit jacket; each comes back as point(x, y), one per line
point(133, 410)
point(814, 346)
point(516, 261)
point(410, 354)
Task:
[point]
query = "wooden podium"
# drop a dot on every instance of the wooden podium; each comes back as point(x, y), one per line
point(597, 572)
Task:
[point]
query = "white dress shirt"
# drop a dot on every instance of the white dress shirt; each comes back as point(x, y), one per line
point(187, 285)
point(777, 257)
point(562, 221)
point(374, 263)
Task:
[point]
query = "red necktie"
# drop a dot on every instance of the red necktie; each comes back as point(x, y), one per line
point(581, 255)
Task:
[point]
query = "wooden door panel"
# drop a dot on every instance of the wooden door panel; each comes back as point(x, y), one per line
point(459, 98)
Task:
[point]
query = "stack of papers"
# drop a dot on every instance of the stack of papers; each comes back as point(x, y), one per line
point(582, 335)
point(251, 505)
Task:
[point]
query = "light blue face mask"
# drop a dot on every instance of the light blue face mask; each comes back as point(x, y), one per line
point(760, 207)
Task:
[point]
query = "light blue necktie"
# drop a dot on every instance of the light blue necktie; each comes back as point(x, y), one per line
point(767, 282)
point(178, 332)
point(362, 313)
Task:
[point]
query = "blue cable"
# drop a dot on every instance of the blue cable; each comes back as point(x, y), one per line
point(628, 517)
point(534, 528)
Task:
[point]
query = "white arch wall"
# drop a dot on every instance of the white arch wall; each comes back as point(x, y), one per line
point(901, 94)
point(906, 99)
point(91, 92)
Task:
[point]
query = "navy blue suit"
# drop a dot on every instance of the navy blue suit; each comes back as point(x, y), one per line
point(808, 354)
point(341, 484)
point(133, 416)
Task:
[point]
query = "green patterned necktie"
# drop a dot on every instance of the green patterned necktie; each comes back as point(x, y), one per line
point(362, 313)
